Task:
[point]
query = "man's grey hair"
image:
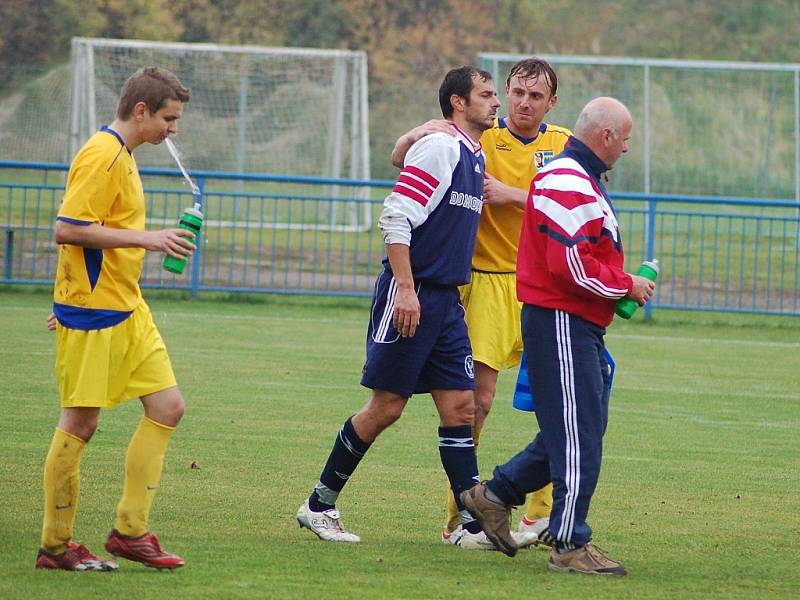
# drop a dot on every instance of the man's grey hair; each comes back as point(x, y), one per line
point(601, 113)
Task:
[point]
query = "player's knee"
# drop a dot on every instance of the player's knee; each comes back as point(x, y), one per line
point(377, 415)
point(177, 408)
point(165, 407)
point(80, 422)
point(392, 411)
point(468, 414)
point(174, 408)
point(386, 409)
point(484, 396)
point(482, 407)
point(86, 429)
point(463, 411)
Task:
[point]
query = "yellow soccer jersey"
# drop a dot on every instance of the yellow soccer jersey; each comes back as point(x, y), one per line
point(514, 162)
point(97, 288)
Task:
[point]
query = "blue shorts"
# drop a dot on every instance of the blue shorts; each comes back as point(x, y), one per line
point(438, 357)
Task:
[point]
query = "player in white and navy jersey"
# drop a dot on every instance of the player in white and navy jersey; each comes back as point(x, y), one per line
point(569, 277)
point(432, 215)
point(417, 339)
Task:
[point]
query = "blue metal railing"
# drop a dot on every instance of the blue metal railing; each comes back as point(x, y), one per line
point(305, 235)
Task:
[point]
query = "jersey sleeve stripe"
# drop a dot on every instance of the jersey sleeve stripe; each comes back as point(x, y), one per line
point(571, 220)
point(565, 180)
point(568, 173)
point(590, 283)
point(569, 183)
point(74, 221)
point(416, 183)
point(423, 175)
point(569, 199)
point(410, 193)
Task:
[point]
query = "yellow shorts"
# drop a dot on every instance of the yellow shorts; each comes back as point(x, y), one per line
point(493, 319)
point(104, 367)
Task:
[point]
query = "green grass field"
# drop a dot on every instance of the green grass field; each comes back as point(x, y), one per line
point(698, 494)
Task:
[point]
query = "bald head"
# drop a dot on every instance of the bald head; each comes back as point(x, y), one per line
point(604, 125)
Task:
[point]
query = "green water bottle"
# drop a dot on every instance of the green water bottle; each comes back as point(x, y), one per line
point(627, 306)
point(191, 220)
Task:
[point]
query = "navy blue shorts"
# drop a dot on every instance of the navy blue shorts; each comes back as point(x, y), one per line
point(438, 357)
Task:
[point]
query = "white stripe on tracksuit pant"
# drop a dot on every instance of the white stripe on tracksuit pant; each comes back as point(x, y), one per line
point(569, 381)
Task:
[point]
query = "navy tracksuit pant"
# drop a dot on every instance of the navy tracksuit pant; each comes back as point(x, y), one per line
point(569, 381)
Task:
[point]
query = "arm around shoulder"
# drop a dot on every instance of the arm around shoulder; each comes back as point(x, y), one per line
point(405, 141)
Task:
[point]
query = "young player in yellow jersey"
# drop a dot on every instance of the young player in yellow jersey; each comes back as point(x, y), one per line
point(108, 349)
point(516, 148)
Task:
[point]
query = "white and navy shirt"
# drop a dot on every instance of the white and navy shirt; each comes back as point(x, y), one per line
point(435, 207)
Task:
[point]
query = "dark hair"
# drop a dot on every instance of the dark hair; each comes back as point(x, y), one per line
point(535, 68)
point(459, 82)
point(153, 86)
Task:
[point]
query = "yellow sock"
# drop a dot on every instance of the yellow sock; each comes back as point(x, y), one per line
point(453, 519)
point(540, 503)
point(143, 465)
point(62, 484)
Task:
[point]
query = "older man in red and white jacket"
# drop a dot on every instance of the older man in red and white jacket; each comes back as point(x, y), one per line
point(569, 277)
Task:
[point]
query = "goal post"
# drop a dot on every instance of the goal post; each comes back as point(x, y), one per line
point(287, 111)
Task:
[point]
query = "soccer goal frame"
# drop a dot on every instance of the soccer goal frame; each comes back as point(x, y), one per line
point(258, 110)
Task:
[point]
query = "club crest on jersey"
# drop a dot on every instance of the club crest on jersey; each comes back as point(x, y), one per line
point(469, 366)
point(542, 157)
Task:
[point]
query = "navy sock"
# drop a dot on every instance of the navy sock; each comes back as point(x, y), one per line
point(457, 451)
point(473, 526)
point(348, 450)
point(317, 505)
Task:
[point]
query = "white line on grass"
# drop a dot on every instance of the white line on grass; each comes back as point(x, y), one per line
point(679, 414)
point(160, 314)
point(704, 393)
point(627, 457)
point(722, 341)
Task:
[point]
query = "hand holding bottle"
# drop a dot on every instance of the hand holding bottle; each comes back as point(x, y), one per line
point(191, 220)
point(643, 288)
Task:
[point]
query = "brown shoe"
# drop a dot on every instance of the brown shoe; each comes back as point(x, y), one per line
point(494, 518)
point(587, 559)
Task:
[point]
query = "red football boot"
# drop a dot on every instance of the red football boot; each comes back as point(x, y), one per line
point(76, 558)
point(144, 549)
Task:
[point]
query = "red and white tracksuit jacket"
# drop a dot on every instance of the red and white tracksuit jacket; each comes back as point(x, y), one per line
point(570, 250)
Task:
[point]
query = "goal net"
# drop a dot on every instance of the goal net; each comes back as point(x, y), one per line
point(689, 136)
point(286, 111)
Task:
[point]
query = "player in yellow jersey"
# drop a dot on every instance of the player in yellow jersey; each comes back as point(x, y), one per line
point(516, 148)
point(108, 349)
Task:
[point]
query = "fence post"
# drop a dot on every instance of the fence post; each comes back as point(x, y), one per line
point(650, 232)
point(201, 184)
point(9, 253)
point(646, 128)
